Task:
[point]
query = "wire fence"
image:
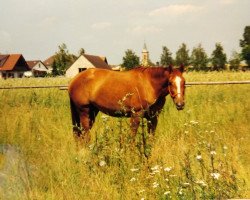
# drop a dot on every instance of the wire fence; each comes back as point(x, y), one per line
point(65, 87)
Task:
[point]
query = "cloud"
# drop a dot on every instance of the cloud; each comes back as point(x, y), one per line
point(175, 9)
point(101, 25)
point(144, 29)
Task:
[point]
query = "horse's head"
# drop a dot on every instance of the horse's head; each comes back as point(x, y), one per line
point(176, 86)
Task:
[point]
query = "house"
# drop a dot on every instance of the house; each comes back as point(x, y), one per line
point(12, 66)
point(49, 62)
point(84, 62)
point(38, 68)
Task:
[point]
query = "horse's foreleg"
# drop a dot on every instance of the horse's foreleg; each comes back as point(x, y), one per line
point(134, 124)
point(152, 124)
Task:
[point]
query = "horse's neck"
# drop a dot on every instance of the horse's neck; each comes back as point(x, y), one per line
point(159, 80)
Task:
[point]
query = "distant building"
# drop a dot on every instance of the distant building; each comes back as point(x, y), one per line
point(13, 66)
point(145, 56)
point(116, 67)
point(38, 68)
point(84, 62)
point(49, 62)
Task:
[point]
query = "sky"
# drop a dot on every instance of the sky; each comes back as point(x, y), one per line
point(35, 28)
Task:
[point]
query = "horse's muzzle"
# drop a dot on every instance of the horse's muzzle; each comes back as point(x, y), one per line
point(180, 106)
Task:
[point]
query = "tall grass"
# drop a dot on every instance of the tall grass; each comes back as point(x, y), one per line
point(201, 152)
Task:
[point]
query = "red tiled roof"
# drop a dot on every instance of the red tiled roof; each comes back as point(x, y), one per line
point(3, 59)
point(9, 62)
point(49, 61)
point(32, 63)
point(97, 61)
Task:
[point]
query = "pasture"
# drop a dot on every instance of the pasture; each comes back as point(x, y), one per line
point(201, 152)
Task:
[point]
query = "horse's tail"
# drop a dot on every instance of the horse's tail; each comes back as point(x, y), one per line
point(75, 117)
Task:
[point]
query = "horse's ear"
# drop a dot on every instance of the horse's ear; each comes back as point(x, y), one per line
point(170, 68)
point(182, 68)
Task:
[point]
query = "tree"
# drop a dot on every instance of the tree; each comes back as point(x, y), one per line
point(182, 57)
point(166, 57)
point(218, 58)
point(81, 51)
point(234, 62)
point(199, 59)
point(130, 60)
point(62, 60)
point(245, 44)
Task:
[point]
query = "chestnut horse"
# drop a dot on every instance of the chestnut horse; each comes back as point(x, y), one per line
point(140, 92)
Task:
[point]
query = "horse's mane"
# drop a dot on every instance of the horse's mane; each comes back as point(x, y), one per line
point(159, 70)
point(149, 69)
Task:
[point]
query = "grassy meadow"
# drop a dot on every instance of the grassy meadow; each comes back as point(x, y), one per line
point(201, 152)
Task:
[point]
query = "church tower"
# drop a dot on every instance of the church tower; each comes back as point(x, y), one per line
point(145, 56)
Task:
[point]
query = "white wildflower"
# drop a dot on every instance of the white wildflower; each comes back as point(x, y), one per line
point(104, 118)
point(156, 167)
point(213, 152)
point(167, 193)
point(215, 175)
point(199, 157)
point(186, 184)
point(202, 183)
point(212, 131)
point(194, 122)
point(180, 192)
point(225, 147)
point(133, 179)
point(102, 163)
point(186, 132)
point(134, 169)
point(155, 184)
point(155, 171)
point(168, 169)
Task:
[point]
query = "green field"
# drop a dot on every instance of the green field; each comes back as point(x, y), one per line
point(201, 152)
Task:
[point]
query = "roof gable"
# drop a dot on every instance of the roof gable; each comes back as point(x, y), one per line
point(33, 63)
point(97, 61)
point(13, 62)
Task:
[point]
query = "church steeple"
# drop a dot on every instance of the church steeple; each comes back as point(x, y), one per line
point(145, 56)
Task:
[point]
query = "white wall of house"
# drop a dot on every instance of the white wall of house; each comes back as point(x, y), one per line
point(80, 64)
point(40, 67)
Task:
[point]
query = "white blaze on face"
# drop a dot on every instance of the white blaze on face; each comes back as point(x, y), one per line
point(178, 85)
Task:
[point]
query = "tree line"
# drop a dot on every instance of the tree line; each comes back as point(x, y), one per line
point(198, 60)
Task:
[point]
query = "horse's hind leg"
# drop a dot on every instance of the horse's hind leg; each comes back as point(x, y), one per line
point(134, 124)
point(75, 119)
point(87, 119)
